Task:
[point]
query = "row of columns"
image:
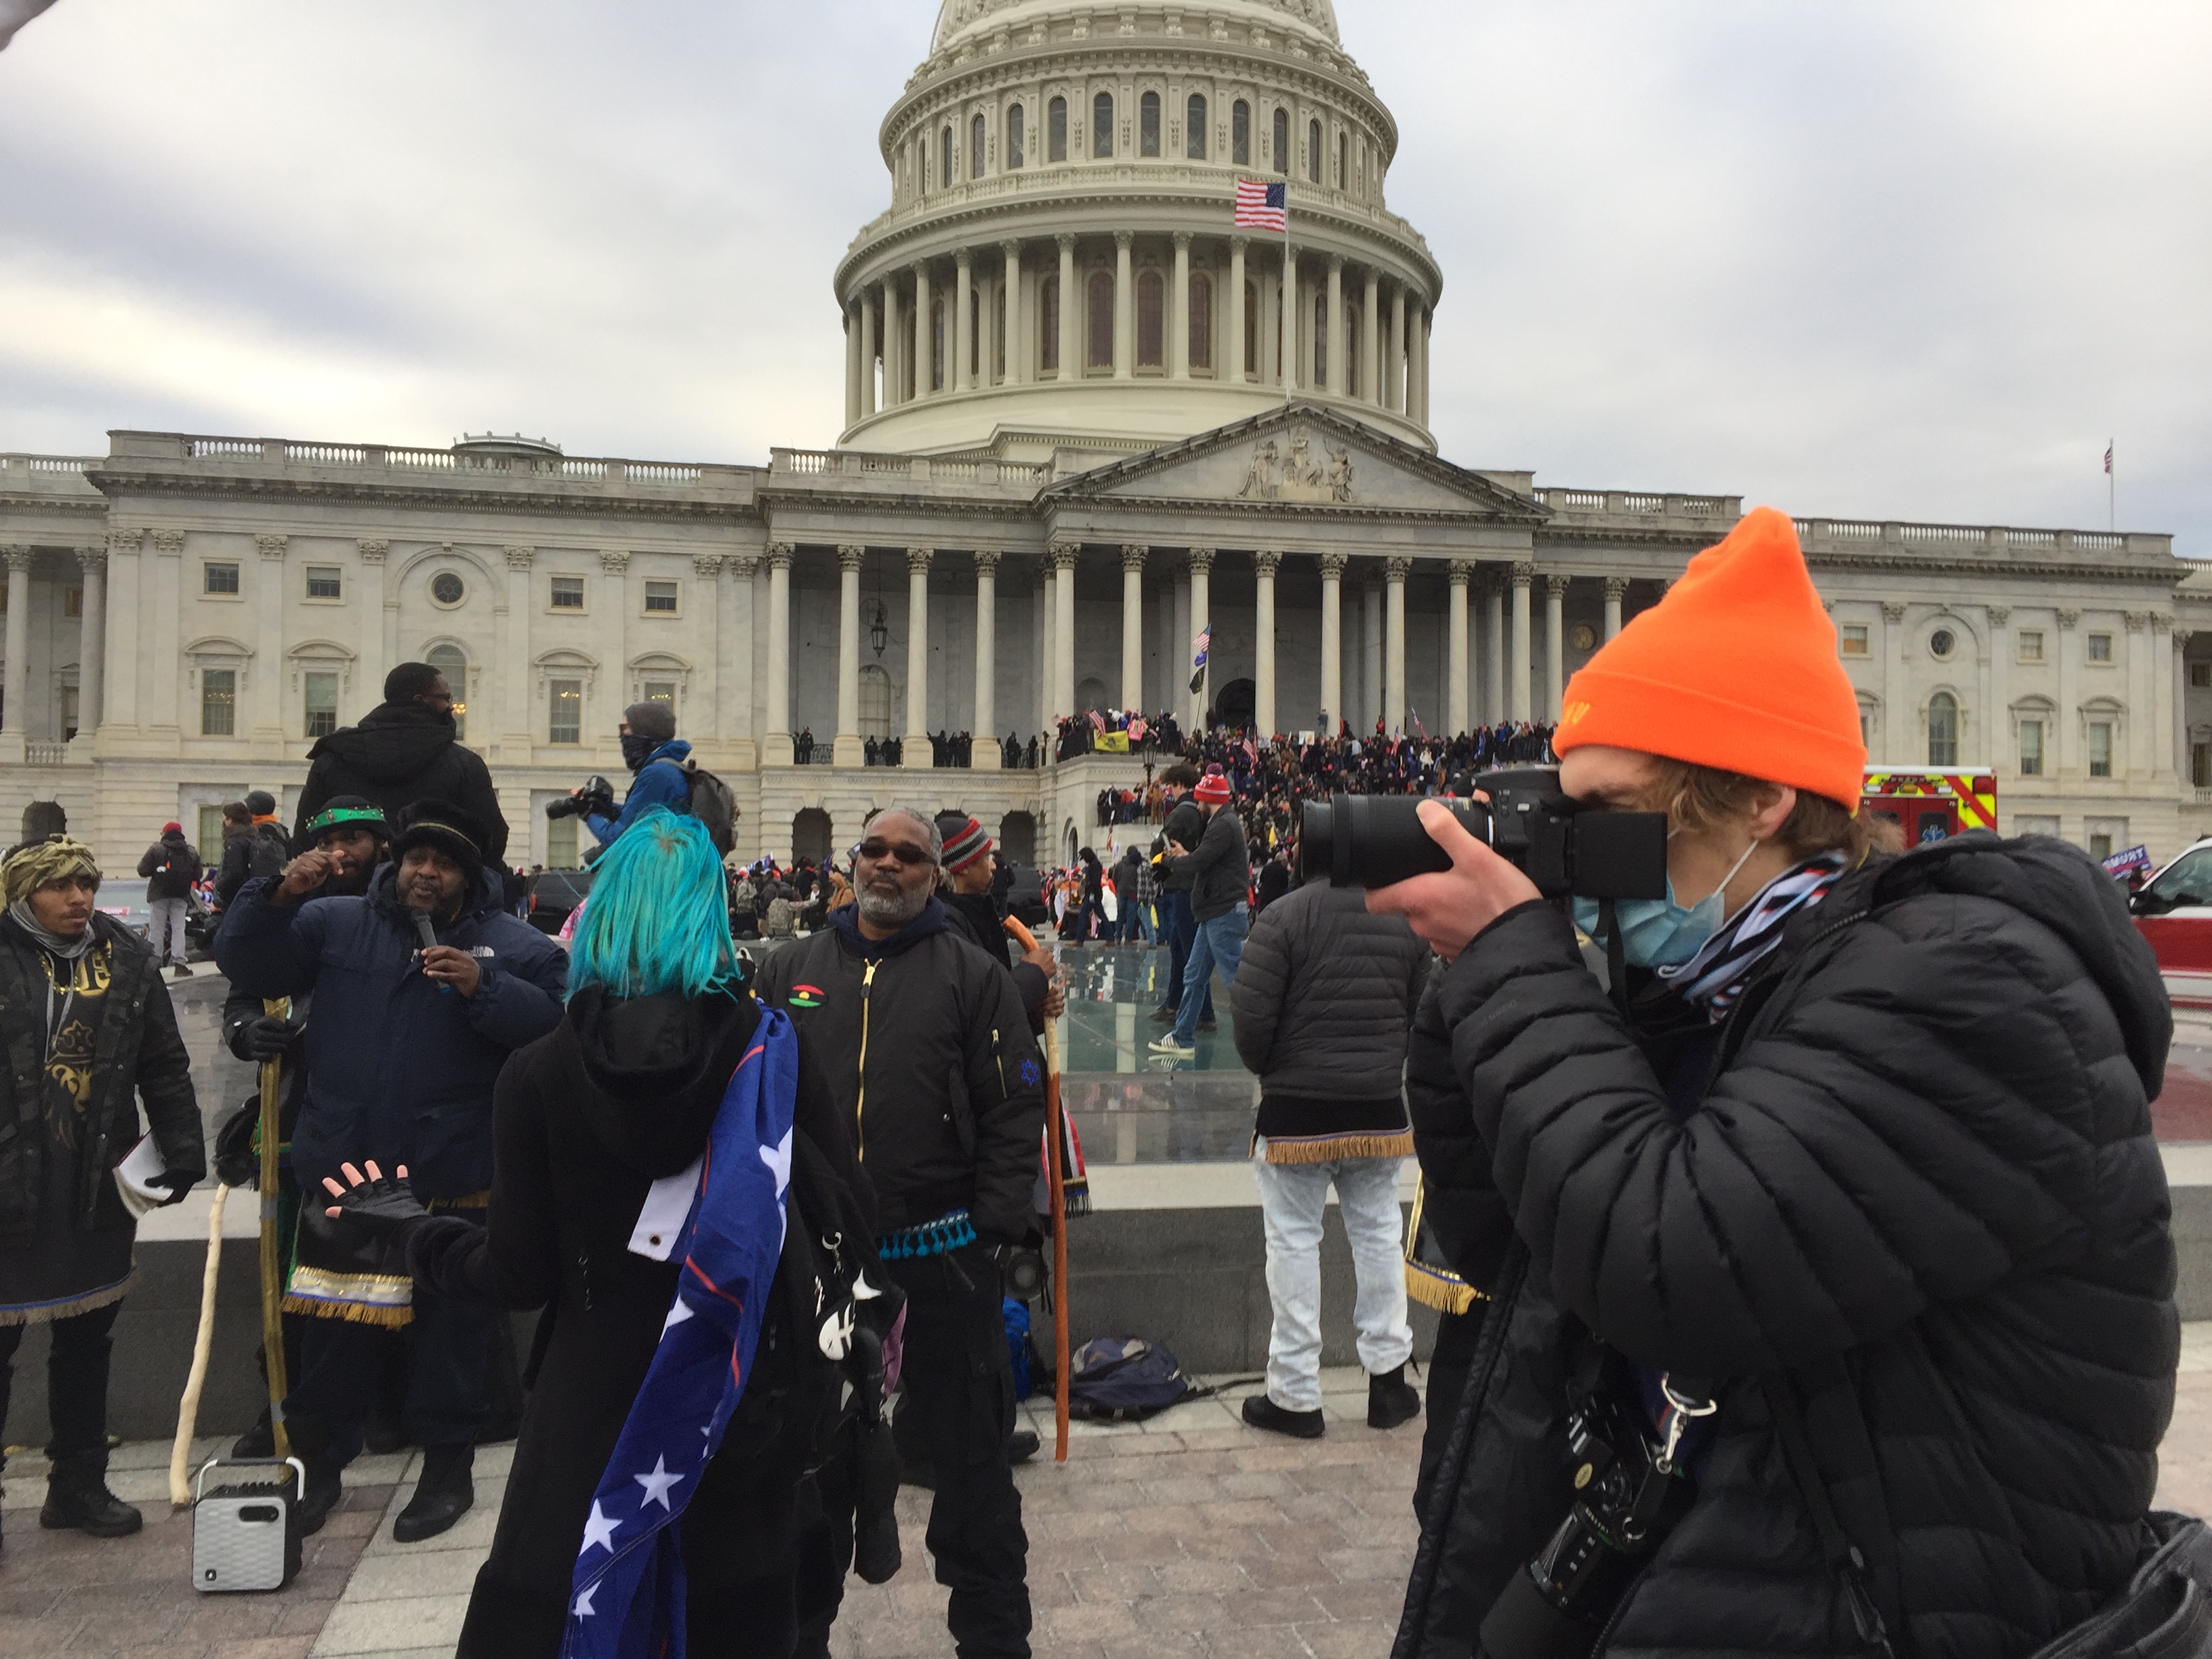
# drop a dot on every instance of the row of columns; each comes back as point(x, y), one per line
point(92, 649)
point(890, 318)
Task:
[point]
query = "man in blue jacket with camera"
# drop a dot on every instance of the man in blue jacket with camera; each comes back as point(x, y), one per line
point(656, 754)
point(423, 989)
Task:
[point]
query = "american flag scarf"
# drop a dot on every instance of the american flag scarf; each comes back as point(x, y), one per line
point(1715, 976)
point(627, 1594)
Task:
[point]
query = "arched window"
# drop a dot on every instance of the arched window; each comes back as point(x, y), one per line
point(1194, 125)
point(449, 661)
point(1102, 124)
point(937, 345)
point(1014, 136)
point(1321, 339)
point(1943, 730)
point(1252, 329)
point(1342, 177)
point(1148, 125)
point(945, 175)
point(977, 145)
point(1151, 320)
point(1055, 127)
point(1283, 141)
point(1201, 320)
point(1240, 133)
point(1313, 151)
point(1048, 324)
point(1102, 319)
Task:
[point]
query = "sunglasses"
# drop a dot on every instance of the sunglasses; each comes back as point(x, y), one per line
point(877, 850)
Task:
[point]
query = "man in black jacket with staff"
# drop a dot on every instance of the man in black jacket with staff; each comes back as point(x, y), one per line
point(928, 1047)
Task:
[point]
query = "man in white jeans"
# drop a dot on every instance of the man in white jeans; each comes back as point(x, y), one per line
point(172, 865)
point(1323, 1000)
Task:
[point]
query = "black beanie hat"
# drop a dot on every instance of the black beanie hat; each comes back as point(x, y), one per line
point(453, 831)
point(652, 720)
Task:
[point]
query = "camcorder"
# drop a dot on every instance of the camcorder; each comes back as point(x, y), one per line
point(595, 799)
point(1569, 850)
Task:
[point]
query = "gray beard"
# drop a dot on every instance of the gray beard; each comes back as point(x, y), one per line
point(892, 913)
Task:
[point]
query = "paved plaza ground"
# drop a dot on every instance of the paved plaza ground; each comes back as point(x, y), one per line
point(1188, 1535)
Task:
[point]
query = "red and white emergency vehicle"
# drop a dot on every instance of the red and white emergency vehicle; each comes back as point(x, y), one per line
point(2173, 912)
point(1932, 803)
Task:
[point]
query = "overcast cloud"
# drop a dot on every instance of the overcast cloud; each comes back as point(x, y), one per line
point(1876, 258)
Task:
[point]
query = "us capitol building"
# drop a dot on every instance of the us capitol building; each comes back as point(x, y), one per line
point(1076, 430)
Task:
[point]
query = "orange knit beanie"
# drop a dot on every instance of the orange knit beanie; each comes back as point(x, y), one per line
point(1734, 669)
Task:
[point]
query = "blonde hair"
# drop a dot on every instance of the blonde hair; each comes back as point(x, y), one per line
point(1698, 797)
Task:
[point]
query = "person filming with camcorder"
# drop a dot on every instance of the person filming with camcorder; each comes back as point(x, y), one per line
point(1824, 1249)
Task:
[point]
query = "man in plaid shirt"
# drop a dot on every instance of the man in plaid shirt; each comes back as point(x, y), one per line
point(1138, 920)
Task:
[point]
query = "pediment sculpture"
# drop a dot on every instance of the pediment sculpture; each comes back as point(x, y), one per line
point(1293, 472)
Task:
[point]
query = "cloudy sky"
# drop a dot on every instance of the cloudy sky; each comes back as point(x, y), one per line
point(1880, 258)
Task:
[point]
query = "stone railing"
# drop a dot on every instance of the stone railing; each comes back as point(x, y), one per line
point(1632, 503)
point(46, 754)
point(1983, 538)
point(45, 472)
point(282, 455)
point(917, 469)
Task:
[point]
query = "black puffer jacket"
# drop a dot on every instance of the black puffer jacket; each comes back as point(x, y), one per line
point(401, 753)
point(1919, 1190)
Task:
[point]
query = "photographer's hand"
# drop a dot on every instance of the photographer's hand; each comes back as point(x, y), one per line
point(1449, 909)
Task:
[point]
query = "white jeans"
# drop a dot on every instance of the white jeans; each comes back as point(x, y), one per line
point(166, 933)
point(1292, 1199)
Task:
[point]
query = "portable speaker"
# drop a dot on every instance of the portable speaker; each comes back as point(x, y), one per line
point(246, 1533)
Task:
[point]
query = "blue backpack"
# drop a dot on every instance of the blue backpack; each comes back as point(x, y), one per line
point(1125, 1379)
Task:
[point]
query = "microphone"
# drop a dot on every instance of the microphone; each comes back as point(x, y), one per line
point(427, 934)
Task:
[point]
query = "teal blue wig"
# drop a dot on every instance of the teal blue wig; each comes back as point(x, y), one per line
point(658, 920)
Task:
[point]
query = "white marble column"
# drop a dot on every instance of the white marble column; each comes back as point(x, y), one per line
point(1996, 700)
point(1455, 668)
point(913, 751)
point(1046, 677)
point(1071, 311)
point(123, 559)
point(1898, 720)
point(162, 602)
point(895, 344)
point(867, 352)
point(2071, 761)
point(1179, 313)
point(1370, 340)
point(16, 685)
point(1370, 653)
point(2162, 692)
point(1493, 651)
point(269, 680)
point(1395, 571)
point(1616, 590)
point(1202, 613)
point(1418, 353)
point(516, 736)
point(984, 755)
point(1064, 555)
point(1555, 645)
point(1017, 367)
point(1523, 689)
point(734, 668)
point(1335, 382)
point(1264, 567)
point(962, 334)
point(1125, 308)
point(1133, 626)
point(2139, 724)
point(373, 667)
point(92, 641)
point(853, 362)
point(1331, 641)
point(925, 338)
point(1233, 369)
point(1393, 394)
point(848, 750)
point(608, 693)
point(778, 749)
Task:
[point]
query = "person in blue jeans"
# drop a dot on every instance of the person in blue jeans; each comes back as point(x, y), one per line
point(1177, 927)
point(1220, 871)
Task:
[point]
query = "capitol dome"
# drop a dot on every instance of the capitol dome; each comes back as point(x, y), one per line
point(1059, 269)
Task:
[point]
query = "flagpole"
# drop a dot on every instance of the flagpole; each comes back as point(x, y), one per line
point(2112, 485)
point(1285, 306)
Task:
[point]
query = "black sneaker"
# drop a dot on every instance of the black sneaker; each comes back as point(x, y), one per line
point(1262, 1412)
point(1163, 1016)
point(78, 1500)
point(443, 1495)
point(323, 1489)
point(1391, 1400)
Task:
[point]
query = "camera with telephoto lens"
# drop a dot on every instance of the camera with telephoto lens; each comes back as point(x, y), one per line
point(1567, 849)
point(595, 799)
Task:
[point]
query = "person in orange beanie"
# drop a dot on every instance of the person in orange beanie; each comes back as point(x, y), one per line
point(1862, 1142)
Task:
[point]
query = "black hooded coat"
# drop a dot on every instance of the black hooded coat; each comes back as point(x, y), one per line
point(401, 753)
point(1910, 1179)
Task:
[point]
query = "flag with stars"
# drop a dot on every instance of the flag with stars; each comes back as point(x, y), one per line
point(627, 1594)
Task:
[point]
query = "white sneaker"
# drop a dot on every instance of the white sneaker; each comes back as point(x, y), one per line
point(1168, 1045)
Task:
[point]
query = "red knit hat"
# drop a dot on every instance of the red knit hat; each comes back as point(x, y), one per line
point(173, 827)
point(1734, 669)
point(1212, 788)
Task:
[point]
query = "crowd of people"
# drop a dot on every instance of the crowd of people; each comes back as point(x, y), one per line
point(946, 749)
point(1803, 1254)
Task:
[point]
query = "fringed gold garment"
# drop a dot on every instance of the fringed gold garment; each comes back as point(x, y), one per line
point(365, 1298)
point(1326, 1149)
point(1428, 1280)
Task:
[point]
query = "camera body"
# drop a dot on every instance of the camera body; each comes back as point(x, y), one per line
point(1566, 849)
point(595, 799)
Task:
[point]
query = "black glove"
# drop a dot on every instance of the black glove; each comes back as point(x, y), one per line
point(262, 1037)
point(383, 1207)
point(178, 1182)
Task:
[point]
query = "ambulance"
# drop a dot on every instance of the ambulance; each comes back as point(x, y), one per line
point(2173, 912)
point(1931, 803)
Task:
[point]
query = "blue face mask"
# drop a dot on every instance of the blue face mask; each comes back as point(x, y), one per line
point(1660, 932)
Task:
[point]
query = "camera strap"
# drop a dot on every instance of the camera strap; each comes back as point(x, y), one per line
point(1844, 1562)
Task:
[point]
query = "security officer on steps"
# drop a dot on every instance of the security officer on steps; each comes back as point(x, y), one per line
point(928, 1047)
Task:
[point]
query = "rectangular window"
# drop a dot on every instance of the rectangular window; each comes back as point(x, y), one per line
point(1851, 640)
point(1201, 320)
point(568, 593)
point(1194, 124)
point(218, 701)
point(209, 837)
point(2100, 648)
point(660, 691)
point(2031, 749)
point(660, 599)
point(561, 844)
point(72, 601)
point(325, 582)
point(1056, 130)
point(566, 725)
point(1014, 136)
point(218, 579)
point(1148, 125)
point(322, 704)
point(1102, 125)
point(2200, 676)
point(2101, 748)
point(2200, 765)
point(2100, 845)
point(2031, 645)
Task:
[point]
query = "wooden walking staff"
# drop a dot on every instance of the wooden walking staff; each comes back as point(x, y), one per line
point(188, 1408)
point(1057, 1178)
point(272, 1266)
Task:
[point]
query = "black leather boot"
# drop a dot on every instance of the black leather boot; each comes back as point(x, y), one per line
point(1262, 1412)
point(310, 1444)
point(442, 1496)
point(77, 1499)
point(1391, 1400)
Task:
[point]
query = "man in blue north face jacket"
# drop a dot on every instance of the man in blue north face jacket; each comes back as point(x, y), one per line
point(404, 1042)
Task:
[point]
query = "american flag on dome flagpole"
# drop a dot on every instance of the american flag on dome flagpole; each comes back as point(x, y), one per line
point(1262, 206)
point(2112, 500)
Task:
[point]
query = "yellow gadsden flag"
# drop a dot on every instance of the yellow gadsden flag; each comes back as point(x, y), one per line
point(1112, 742)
